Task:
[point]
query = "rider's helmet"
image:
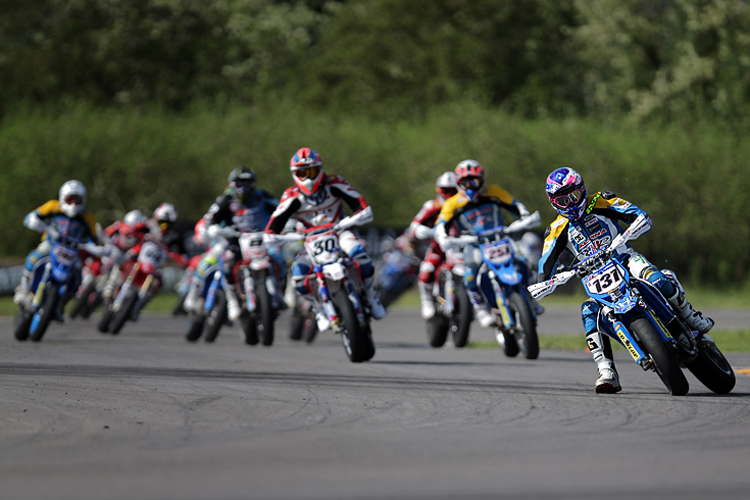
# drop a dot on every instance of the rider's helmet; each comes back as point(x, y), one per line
point(446, 185)
point(165, 215)
point(133, 226)
point(307, 170)
point(469, 177)
point(133, 218)
point(242, 183)
point(72, 198)
point(567, 192)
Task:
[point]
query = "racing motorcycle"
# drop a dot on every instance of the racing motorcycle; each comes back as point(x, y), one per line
point(213, 313)
point(637, 316)
point(338, 285)
point(501, 278)
point(454, 312)
point(53, 277)
point(396, 275)
point(141, 278)
point(258, 288)
point(89, 297)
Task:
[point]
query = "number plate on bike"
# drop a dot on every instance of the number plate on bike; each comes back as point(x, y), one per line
point(252, 246)
point(604, 280)
point(498, 253)
point(65, 255)
point(323, 248)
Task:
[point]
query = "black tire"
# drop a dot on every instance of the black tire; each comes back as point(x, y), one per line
point(104, 320)
point(354, 339)
point(120, 317)
point(249, 330)
point(713, 369)
point(216, 317)
point(195, 327)
point(510, 346)
point(95, 300)
point(310, 328)
point(527, 338)
point(463, 314)
point(21, 326)
point(369, 344)
point(50, 301)
point(264, 314)
point(296, 324)
point(437, 330)
point(666, 366)
point(82, 300)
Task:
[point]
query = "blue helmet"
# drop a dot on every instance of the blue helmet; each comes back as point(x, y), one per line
point(567, 192)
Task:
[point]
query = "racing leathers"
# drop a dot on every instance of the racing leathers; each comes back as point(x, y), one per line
point(597, 227)
point(226, 219)
point(50, 220)
point(422, 228)
point(472, 216)
point(325, 206)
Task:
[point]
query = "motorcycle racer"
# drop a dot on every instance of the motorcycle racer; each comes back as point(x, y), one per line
point(65, 215)
point(587, 223)
point(476, 207)
point(317, 199)
point(242, 208)
point(421, 228)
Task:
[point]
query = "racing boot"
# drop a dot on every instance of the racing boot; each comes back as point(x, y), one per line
point(427, 299)
point(376, 307)
point(321, 318)
point(191, 299)
point(694, 319)
point(538, 308)
point(233, 304)
point(601, 349)
point(481, 309)
point(22, 290)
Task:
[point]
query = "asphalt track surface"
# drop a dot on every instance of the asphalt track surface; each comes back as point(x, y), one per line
point(146, 415)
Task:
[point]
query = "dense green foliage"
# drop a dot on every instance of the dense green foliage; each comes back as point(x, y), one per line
point(132, 159)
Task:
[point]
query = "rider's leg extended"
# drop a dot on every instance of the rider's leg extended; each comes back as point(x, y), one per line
point(472, 261)
point(639, 266)
point(301, 277)
point(601, 349)
point(22, 290)
point(426, 281)
point(355, 249)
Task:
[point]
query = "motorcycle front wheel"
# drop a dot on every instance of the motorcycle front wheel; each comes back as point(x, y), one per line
point(463, 313)
point(355, 340)
point(666, 366)
point(264, 315)
point(22, 324)
point(82, 300)
point(526, 337)
point(40, 320)
point(120, 317)
point(216, 317)
point(712, 368)
point(105, 319)
point(195, 326)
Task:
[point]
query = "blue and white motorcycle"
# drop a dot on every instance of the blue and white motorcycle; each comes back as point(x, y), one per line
point(637, 315)
point(55, 279)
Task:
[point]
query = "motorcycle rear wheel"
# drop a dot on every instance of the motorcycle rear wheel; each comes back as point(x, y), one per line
point(527, 339)
point(216, 317)
point(667, 368)
point(45, 313)
point(353, 337)
point(82, 300)
point(713, 369)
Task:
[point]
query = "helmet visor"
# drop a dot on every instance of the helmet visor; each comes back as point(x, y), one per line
point(568, 199)
point(471, 183)
point(73, 199)
point(447, 192)
point(307, 173)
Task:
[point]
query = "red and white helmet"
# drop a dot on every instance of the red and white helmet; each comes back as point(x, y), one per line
point(446, 185)
point(469, 177)
point(307, 170)
point(72, 198)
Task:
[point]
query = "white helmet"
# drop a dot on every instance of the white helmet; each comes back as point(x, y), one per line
point(72, 198)
point(446, 185)
point(165, 213)
point(134, 217)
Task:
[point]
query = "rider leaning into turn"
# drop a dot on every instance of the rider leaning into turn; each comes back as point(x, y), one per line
point(421, 228)
point(241, 208)
point(476, 207)
point(317, 199)
point(66, 215)
point(587, 223)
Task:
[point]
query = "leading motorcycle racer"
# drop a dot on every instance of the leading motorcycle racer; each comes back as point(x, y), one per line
point(587, 223)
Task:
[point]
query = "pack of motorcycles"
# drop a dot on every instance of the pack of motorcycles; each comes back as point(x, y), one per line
point(635, 313)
